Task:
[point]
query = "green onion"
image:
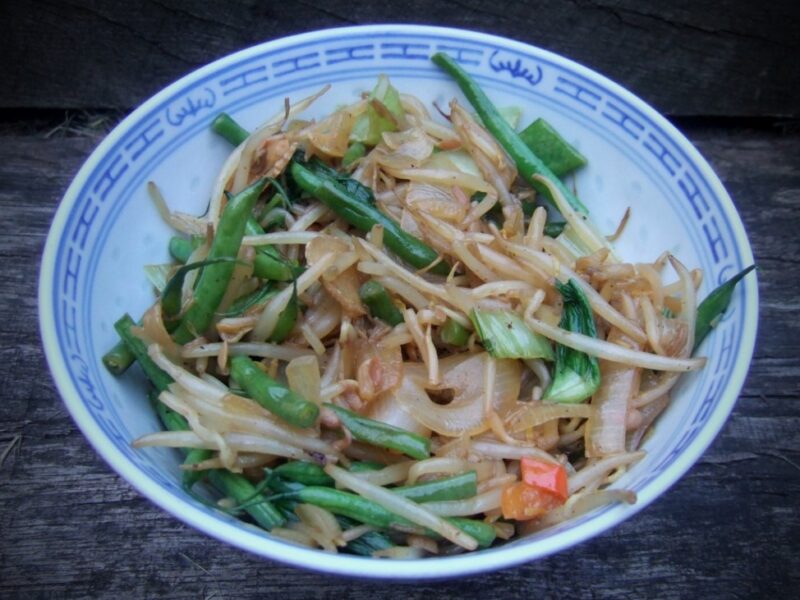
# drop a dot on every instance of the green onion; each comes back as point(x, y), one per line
point(577, 375)
point(711, 309)
point(505, 335)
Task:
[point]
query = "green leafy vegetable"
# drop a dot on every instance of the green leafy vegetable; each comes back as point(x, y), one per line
point(383, 112)
point(577, 375)
point(505, 335)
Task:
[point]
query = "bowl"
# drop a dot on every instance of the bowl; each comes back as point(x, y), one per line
point(106, 229)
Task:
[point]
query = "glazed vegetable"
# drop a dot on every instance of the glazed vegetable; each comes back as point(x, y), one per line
point(181, 248)
point(276, 398)
point(545, 476)
point(287, 319)
point(382, 435)
point(268, 263)
point(354, 152)
point(119, 358)
point(171, 294)
point(711, 309)
point(454, 333)
point(243, 492)
point(368, 512)
point(577, 375)
point(523, 502)
point(457, 487)
point(553, 150)
point(527, 162)
point(379, 303)
point(505, 335)
point(157, 377)
point(225, 126)
point(213, 280)
point(344, 363)
point(364, 217)
point(303, 472)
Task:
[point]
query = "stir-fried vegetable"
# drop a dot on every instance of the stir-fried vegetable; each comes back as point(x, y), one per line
point(527, 162)
point(553, 150)
point(213, 280)
point(271, 395)
point(711, 309)
point(379, 303)
point(365, 217)
point(326, 320)
point(505, 335)
point(577, 375)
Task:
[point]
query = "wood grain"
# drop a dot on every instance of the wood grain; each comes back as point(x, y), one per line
point(70, 527)
point(692, 57)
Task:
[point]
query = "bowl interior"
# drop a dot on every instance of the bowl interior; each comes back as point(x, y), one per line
point(106, 229)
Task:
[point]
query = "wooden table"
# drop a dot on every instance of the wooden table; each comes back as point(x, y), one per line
point(725, 72)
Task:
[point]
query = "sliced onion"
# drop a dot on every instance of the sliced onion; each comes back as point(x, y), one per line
point(529, 414)
point(449, 466)
point(332, 135)
point(388, 410)
point(379, 368)
point(464, 375)
point(303, 376)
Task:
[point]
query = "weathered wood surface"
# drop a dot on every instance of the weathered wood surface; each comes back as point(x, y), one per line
point(692, 57)
point(70, 527)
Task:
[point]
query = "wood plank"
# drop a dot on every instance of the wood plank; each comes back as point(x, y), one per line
point(72, 527)
point(730, 58)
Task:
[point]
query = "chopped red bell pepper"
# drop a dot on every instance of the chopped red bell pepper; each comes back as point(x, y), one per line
point(545, 476)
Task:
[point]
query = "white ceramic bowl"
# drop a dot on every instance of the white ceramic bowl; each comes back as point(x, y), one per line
point(106, 229)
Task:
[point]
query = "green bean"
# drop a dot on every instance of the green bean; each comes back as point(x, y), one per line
point(366, 544)
point(714, 305)
point(268, 262)
point(159, 378)
point(213, 280)
point(226, 127)
point(364, 466)
point(454, 333)
point(276, 398)
point(353, 153)
point(363, 216)
point(287, 319)
point(482, 532)
point(457, 487)
point(243, 492)
point(381, 434)
point(379, 303)
point(355, 507)
point(119, 358)
point(181, 248)
point(368, 512)
point(527, 162)
point(304, 472)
